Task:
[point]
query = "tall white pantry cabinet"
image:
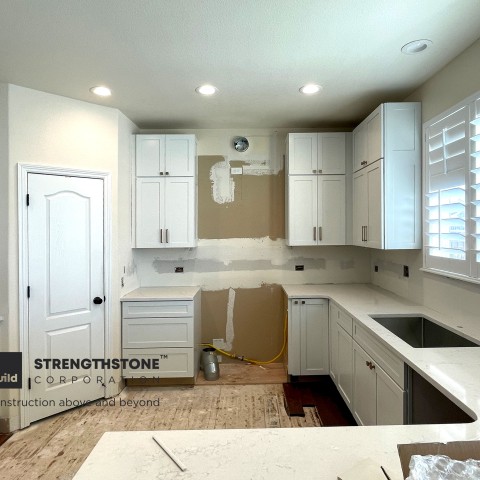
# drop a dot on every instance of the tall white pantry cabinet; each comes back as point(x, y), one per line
point(387, 178)
point(166, 191)
point(315, 196)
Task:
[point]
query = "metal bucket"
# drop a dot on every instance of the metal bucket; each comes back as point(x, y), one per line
point(209, 364)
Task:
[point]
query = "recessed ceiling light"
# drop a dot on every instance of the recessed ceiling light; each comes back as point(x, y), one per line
point(101, 91)
point(417, 46)
point(310, 89)
point(206, 90)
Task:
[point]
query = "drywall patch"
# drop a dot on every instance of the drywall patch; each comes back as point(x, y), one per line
point(222, 184)
point(229, 331)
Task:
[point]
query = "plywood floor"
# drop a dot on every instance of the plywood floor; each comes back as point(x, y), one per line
point(55, 448)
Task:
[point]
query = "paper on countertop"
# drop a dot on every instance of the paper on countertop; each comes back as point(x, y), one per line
point(367, 469)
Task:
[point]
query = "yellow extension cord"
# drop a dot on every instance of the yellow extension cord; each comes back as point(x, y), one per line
point(250, 360)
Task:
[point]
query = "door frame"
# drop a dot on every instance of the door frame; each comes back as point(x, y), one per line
point(23, 171)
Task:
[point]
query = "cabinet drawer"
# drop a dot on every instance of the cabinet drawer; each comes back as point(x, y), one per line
point(172, 308)
point(173, 362)
point(346, 321)
point(391, 364)
point(157, 332)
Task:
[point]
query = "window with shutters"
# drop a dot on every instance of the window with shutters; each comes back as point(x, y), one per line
point(452, 191)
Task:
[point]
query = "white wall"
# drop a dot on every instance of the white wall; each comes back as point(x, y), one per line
point(3, 238)
point(458, 80)
point(51, 130)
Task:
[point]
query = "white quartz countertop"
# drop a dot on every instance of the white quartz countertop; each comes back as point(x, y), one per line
point(151, 294)
point(309, 453)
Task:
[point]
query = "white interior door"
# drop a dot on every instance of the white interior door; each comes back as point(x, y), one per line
point(65, 275)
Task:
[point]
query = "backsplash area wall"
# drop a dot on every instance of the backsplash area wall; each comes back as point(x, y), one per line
point(241, 259)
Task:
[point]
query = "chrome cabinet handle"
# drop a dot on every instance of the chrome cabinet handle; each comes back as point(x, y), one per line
point(166, 235)
point(161, 235)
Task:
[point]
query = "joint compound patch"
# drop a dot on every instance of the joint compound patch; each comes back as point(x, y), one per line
point(223, 186)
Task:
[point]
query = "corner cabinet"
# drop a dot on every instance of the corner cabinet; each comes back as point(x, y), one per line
point(166, 191)
point(308, 336)
point(387, 178)
point(315, 196)
point(163, 324)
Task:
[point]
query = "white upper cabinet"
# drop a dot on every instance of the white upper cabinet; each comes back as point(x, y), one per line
point(165, 212)
point(367, 140)
point(165, 155)
point(166, 191)
point(387, 178)
point(315, 210)
point(316, 153)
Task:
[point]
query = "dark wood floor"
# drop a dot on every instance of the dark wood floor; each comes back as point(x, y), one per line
point(4, 437)
point(319, 392)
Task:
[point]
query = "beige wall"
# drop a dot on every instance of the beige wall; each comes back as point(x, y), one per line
point(458, 80)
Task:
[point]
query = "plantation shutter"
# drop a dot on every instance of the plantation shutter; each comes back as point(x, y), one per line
point(445, 216)
point(475, 185)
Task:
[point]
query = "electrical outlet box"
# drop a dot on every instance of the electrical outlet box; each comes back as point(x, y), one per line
point(375, 268)
point(236, 170)
point(178, 269)
point(122, 282)
point(299, 268)
point(406, 271)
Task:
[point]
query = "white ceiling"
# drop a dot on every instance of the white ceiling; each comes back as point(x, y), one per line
point(154, 53)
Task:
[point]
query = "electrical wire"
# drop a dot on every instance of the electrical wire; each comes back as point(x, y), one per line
point(251, 360)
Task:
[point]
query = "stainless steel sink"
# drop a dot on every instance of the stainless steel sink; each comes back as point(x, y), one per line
point(420, 332)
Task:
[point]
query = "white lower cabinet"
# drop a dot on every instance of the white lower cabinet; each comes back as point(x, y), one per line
point(378, 399)
point(341, 353)
point(368, 375)
point(308, 337)
point(379, 396)
point(364, 378)
point(166, 330)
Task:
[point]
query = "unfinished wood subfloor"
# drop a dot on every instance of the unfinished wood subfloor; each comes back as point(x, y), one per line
point(55, 448)
point(246, 374)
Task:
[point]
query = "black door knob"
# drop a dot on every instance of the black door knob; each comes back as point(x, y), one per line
point(97, 301)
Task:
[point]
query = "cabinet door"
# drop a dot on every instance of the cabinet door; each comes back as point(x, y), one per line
point(302, 153)
point(294, 336)
point(375, 135)
point(359, 147)
point(374, 174)
point(360, 207)
point(179, 208)
point(331, 153)
point(302, 210)
point(149, 217)
point(333, 343)
point(180, 154)
point(390, 400)
point(150, 151)
point(364, 388)
point(314, 337)
point(331, 210)
point(345, 365)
